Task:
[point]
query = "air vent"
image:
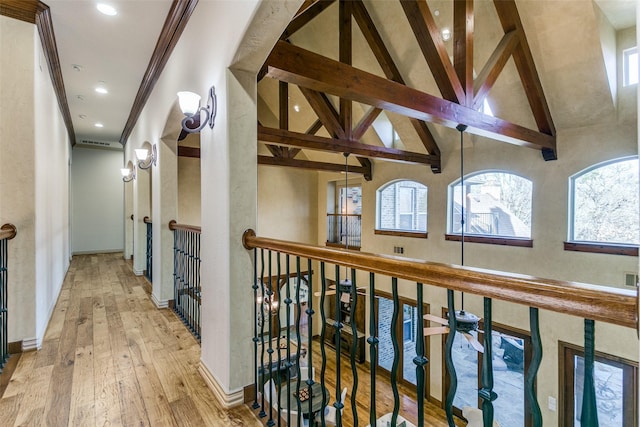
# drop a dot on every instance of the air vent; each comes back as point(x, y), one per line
point(101, 144)
point(630, 279)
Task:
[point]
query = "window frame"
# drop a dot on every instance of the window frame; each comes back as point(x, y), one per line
point(610, 248)
point(400, 232)
point(626, 54)
point(524, 242)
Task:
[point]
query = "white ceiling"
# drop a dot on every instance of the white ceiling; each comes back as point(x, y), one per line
point(113, 49)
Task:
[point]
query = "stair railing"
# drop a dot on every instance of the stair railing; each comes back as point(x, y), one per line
point(590, 302)
point(7, 232)
point(186, 275)
point(149, 271)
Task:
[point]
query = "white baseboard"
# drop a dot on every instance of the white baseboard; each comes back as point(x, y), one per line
point(159, 303)
point(138, 272)
point(31, 344)
point(226, 400)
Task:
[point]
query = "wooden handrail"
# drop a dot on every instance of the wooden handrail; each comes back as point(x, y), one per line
point(600, 303)
point(8, 231)
point(146, 220)
point(173, 225)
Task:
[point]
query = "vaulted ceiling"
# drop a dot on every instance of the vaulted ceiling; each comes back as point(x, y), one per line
point(539, 64)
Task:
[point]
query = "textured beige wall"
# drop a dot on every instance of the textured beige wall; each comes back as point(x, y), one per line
point(17, 177)
point(189, 191)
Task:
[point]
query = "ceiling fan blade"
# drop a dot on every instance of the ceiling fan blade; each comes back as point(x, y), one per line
point(437, 330)
point(474, 342)
point(327, 293)
point(436, 319)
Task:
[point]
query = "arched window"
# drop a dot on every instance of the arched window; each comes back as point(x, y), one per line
point(494, 204)
point(401, 206)
point(604, 203)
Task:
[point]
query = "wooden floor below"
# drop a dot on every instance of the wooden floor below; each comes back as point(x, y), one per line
point(110, 357)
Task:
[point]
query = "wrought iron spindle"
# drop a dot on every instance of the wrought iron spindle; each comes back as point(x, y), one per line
point(255, 405)
point(338, 342)
point(270, 350)
point(186, 278)
point(4, 290)
point(354, 345)
point(373, 348)
point(310, 312)
point(536, 359)
point(288, 301)
point(260, 303)
point(149, 251)
point(589, 416)
point(323, 354)
point(486, 393)
point(278, 327)
point(448, 359)
point(420, 360)
point(298, 340)
point(396, 350)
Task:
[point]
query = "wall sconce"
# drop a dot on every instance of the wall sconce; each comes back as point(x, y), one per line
point(190, 106)
point(128, 174)
point(146, 160)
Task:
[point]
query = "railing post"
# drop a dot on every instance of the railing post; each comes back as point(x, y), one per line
point(589, 415)
point(486, 393)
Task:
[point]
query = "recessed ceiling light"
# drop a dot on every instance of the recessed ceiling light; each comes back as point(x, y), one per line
point(296, 108)
point(99, 125)
point(106, 9)
point(101, 89)
point(446, 34)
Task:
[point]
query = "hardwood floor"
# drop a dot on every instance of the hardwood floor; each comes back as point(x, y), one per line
point(109, 357)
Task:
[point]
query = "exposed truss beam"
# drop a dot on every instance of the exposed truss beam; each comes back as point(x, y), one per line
point(303, 17)
point(463, 23)
point(307, 69)
point(345, 55)
point(510, 19)
point(492, 69)
point(307, 164)
point(333, 145)
point(377, 46)
point(430, 41)
point(365, 123)
point(327, 114)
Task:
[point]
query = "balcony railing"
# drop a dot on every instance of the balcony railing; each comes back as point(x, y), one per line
point(281, 354)
point(7, 232)
point(344, 230)
point(149, 271)
point(186, 275)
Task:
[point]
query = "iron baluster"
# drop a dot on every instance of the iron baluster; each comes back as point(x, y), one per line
point(373, 348)
point(396, 350)
point(338, 341)
point(279, 347)
point(354, 343)
point(270, 350)
point(262, 413)
point(323, 354)
point(486, 393)
point(536, 359)
point(589, 416)
point(448, 358)
point(298, 339)
point(310, 314)
point(420, 360)
point(255, 405)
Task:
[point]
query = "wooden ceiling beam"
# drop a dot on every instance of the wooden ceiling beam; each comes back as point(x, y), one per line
point(494, 66)
point(303, 17)
point(314, 128)
point(380, 51)
point(345, 54)
point(430, 41)
point(365, 123)
point(307, 69)
point(193, 152)
point(367, 165)
point(333, 145)
point(510, 20)
point(307, 164)
point(327, 114)
point(463, 24)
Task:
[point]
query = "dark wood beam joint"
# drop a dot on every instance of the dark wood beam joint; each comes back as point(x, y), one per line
point(463, 24)
point(367, 165)
point(345, 54)
point(494, 66)
point(327, 114)
point(365, 123)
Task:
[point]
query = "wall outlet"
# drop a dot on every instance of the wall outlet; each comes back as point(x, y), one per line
point(552, 404)
point(398, 250)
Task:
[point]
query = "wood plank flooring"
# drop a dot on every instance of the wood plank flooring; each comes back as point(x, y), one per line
point(110, 358)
